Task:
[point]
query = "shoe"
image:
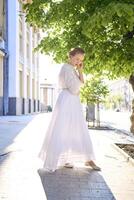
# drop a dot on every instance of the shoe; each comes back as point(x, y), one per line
point(96, 168)
point(68, 165)
point(93, 165)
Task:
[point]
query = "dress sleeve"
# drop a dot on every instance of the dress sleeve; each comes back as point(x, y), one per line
point(72, 81)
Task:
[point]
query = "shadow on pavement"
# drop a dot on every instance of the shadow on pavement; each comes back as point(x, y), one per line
point(77, 183)
point(10, 128)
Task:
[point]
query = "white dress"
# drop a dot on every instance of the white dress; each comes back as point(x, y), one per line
point(67, 138)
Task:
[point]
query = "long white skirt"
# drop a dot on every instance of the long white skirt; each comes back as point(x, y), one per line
point(67, 139)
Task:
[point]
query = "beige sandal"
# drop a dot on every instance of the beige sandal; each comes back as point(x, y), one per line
point(68, 165)
point(93, 165)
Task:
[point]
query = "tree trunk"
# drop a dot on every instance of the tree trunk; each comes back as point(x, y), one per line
point(90, 113)
point(131, 81)
point(98, 115)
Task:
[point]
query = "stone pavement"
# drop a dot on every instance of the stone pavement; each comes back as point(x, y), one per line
point(20, 138)
point(22, 178)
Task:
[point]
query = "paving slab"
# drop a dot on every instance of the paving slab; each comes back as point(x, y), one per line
point(22, 176)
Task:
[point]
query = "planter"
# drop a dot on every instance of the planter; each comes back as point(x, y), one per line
point(127, 150)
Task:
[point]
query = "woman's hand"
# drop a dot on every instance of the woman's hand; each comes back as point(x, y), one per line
point(80, 67)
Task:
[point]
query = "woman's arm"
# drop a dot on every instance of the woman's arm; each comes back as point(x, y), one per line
point(72, 80)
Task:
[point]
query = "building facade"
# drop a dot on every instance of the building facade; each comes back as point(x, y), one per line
point(48, 96)
point(2, 52)
point(23, 63)
point(1, 81)
point(123, 89)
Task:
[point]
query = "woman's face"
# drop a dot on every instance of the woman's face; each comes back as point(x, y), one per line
point(77, 59)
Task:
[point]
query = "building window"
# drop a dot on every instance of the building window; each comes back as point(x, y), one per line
point(20, 84)
point(33, 89)
point(37, 90)
point(2, 18)
point(28, 87)
point(33, 54)
point(33, 46)
point(21, 49)
point(1, 76)
point(28, 47)
point(45, 96)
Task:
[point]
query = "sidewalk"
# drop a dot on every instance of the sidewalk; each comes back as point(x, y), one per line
point(21, 140)
point(111, 118)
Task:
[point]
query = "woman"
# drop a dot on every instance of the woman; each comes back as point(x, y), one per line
point(67, 139)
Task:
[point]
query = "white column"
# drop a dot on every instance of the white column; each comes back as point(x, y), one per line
point(1, 74)
point(37, 58)
point(13, 47)
point(35, 69)
point(31, 70)
point(25, 59)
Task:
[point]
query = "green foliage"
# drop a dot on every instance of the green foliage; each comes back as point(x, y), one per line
point(94, 91)
point(114, 101)
point(109, 29)
point(104, 28)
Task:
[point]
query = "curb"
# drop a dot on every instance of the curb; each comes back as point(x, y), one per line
point(119, 130)
point(128, 158)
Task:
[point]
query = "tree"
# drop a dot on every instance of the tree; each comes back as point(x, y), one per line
point(104, 28)
point(94, 91)
point(114, 101)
